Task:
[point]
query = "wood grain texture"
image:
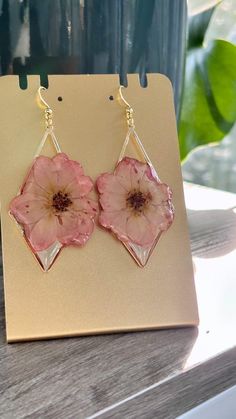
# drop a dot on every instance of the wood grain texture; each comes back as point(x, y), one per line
point(181, 393)
point(79, 377)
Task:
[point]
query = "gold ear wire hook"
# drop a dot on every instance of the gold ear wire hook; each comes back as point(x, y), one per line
point(44, 105)
point(128, 109)
point(122, 97)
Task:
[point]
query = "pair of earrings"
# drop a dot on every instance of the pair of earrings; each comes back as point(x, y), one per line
point(54, 207)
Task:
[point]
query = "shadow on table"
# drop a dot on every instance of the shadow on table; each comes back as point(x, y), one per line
point(101, 370)
point(212, 232)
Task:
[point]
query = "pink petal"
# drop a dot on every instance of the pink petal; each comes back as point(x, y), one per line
point(66, 227)
point(123, 174)
point(116, 221)
point(74, 230)
point(160, 192)
point(160, 217)
point(130, 172)
point(64, 170)
point(70, 176)
point(168, 216)
point(140, 231)
point(33, 208)
point(45, 173)
point(78, 169)
point(30, 186)
point(112, 202)
point(140, 228)
point(76, 225)
point(61, 159)
point(85, 228)
point(28, 208)
point(43, 233)
point(86, 206)
point(80, 187)
point(110, 184)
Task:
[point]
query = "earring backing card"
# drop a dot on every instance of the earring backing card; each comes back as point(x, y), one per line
point(96, 289)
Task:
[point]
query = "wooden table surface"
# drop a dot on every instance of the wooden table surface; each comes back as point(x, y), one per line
point(154, 374)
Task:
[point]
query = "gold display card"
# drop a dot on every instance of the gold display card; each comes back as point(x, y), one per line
point(97, 288)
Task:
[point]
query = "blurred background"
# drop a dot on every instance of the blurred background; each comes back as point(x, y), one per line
point(194, 44)
point(209, 95)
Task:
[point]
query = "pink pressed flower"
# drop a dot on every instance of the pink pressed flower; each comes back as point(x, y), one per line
point(53, 204)
point(136, 206)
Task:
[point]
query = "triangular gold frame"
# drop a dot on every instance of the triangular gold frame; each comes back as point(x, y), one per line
point(139, 253)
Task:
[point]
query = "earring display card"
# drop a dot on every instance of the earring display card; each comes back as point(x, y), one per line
point(97, 288)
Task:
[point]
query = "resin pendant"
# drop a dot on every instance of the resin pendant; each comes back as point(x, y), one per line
point(53, 208)
point(136, 205)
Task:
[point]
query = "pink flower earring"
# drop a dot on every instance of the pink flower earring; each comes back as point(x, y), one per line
point(135, 205)
point(53, 208)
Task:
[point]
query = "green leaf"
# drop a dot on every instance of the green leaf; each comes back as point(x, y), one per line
point(197, 26)
point(209, 100)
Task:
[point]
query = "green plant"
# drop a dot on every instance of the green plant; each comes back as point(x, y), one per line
point(209, 98)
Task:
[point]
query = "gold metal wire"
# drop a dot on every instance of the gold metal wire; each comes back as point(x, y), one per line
point(47, 110)
point(48, 122)
point(128, 109)
point(131, 133)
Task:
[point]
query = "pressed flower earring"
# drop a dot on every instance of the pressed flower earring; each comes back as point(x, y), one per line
point(135, 205)
point(53, 207)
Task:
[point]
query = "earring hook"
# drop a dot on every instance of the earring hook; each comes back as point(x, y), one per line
point(122, 97)
point(41, 100)
point(47, 110)
point(129, 110)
